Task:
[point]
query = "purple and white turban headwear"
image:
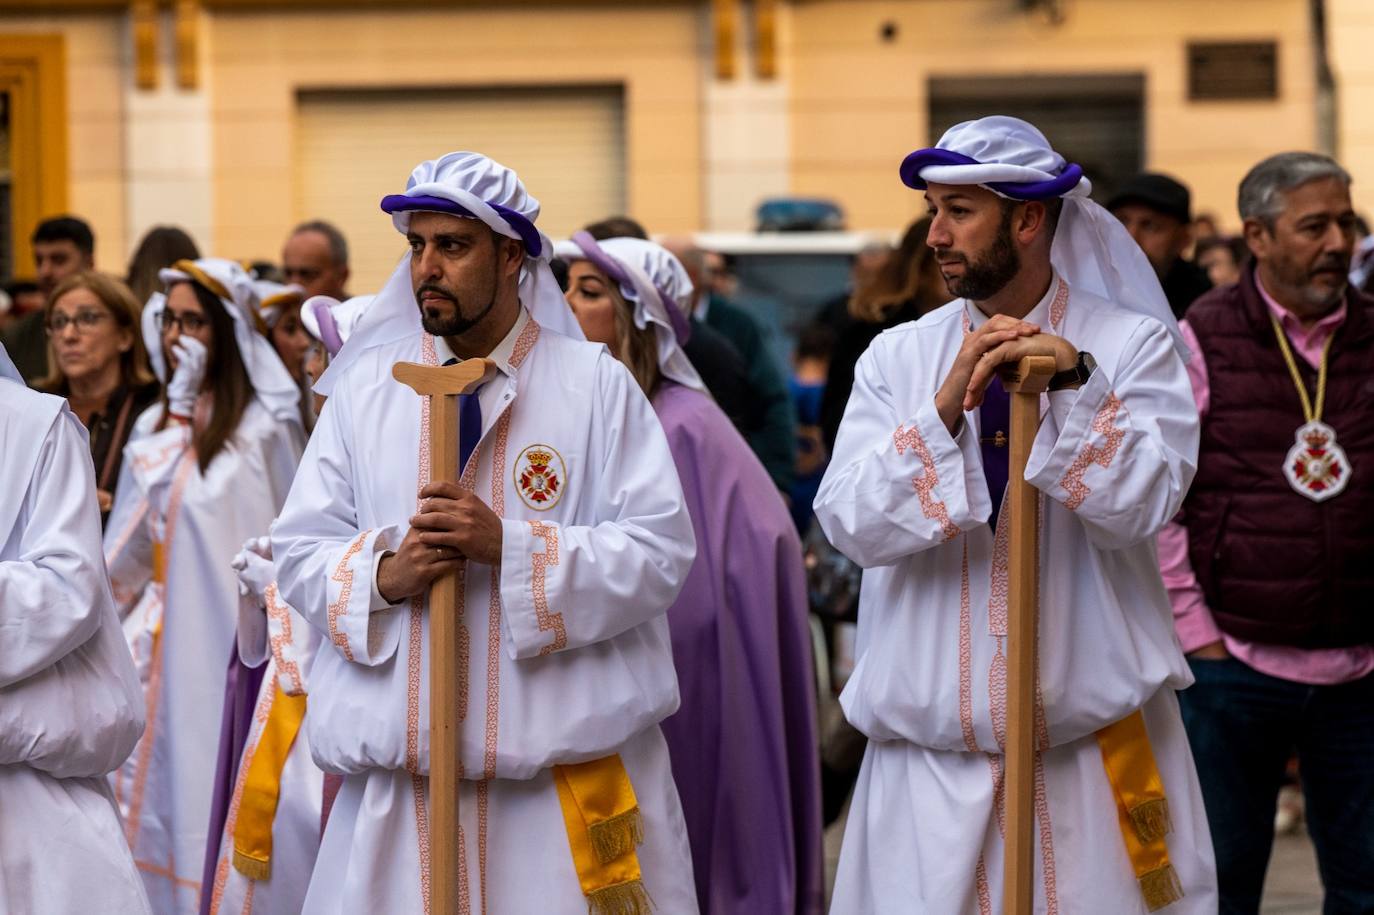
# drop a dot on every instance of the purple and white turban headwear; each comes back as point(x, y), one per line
point(656, 284)
point(1092, 251)
point(471, 186)
point(331, 321)
point(234, 287)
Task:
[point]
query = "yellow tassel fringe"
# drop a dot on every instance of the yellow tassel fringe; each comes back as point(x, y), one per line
point(618, 836)
point(1160, 887)
point(629, 898)
point(1151, 820)
point(252, 868)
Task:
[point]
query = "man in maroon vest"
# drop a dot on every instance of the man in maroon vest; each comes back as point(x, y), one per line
point(1270, 565)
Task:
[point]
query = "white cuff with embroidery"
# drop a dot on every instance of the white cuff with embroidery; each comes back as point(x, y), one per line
point(359, 629)
point(529, 555)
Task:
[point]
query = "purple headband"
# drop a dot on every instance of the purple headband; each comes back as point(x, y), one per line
point(1058, 186)
point(611, 267)
point(329, 328)
point(404, 203)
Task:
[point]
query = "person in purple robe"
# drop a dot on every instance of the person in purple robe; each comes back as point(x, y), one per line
point(743, 744)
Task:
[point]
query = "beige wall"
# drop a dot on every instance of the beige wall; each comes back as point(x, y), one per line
point(1350, 29)
point(859, 105)
point(259, 60)
point(97, 53)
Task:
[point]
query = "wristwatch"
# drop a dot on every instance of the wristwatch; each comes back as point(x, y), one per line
point(1077, 375)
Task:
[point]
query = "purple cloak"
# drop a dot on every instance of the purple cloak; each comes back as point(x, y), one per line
point(743, 745)
point(241, 685)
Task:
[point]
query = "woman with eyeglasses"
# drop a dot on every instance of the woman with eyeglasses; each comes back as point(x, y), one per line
point(207, 468)
point(96, 360)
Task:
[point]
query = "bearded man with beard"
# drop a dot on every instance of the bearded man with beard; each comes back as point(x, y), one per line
point(1268, 566)
point(570, 537)
point(912, 494)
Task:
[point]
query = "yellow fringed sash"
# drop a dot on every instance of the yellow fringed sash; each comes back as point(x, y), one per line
point(604, 828)
point(1141, 807)
point(252, 855)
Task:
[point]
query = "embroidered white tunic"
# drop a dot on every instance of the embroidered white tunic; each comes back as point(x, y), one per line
point(70, 707)
point(567, 654)
point(171, 517)
point(909, 503)
point(271, 631)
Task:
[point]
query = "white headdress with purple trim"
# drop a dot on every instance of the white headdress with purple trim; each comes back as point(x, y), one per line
point(331, 321)
point(472, 186)
point(656, 283)
point(1092, 251)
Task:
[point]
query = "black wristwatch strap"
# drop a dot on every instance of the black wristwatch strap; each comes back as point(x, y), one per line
point(1079, 374)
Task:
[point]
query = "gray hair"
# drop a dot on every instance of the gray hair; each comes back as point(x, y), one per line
point(338, 245)
point(1262, 189)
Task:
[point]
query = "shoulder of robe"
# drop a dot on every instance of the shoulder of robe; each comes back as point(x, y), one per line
point(1102, 319)
point(27, 412)
point(896, 342)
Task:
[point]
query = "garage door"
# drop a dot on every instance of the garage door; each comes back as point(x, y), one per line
point(355, 147)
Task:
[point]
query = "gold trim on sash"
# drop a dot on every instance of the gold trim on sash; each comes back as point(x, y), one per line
point(1142, 809)
point(604, 827)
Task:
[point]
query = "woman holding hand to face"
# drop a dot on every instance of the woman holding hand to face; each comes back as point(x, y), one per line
point(206, 468)
point(96, 360)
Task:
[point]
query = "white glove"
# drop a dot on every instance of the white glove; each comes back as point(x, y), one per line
point(184, 387)
point(254, 567)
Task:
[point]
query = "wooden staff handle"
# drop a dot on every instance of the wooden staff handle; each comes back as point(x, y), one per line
point(442, 385)
point(1025, 383)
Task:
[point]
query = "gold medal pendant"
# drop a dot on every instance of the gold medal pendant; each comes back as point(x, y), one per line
point(1316, 466)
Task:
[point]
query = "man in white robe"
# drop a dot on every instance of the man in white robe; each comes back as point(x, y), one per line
point(70, 705)
point(910, 494)
point(571, 540)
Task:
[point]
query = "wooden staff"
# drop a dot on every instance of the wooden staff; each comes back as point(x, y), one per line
point(442, 385)
point(1025, 383)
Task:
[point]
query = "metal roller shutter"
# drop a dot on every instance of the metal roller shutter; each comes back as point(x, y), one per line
point(354, 147)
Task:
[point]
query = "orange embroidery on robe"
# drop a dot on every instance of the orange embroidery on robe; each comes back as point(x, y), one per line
point(966, 659)
point(279, 612)
point(344, 576)
point(1104, 423)
point(540, 562)
point(145, 746)
point(1059, 306)
point(260, 715)
point(925, 484)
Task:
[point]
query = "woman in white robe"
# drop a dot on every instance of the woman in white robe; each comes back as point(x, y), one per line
point(207, 468)
point(70, 710)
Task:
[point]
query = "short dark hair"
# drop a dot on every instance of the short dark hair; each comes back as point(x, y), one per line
point(617, 227)
point(66, 228)
point(1054, 207)
point(338, 245)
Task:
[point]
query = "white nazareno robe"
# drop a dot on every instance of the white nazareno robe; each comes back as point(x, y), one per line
point(70, 709)
point(190, 525)
point(909, 503)
point(271, 631)
point(568, 654)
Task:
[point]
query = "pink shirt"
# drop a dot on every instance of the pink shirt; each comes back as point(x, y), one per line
point(1192, 618)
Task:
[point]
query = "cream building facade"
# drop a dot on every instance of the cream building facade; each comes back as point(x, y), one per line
point(237, 118)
